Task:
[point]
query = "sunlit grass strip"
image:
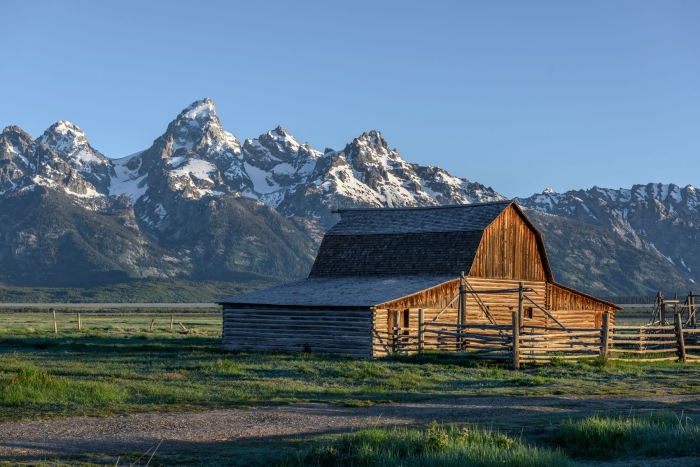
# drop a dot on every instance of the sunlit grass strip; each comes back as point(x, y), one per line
point(435, 447)
point(657, 434)
point(33, 386)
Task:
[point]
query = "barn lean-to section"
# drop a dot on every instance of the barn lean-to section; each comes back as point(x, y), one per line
point(378, 267)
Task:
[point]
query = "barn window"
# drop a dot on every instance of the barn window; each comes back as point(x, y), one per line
point(406, 320)
point(528, 312)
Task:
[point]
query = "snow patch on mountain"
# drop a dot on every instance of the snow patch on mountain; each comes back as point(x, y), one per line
point(197, 167)
point(667, 258)
point(126, 180)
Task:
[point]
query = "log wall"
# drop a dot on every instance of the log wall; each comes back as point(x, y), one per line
point(560, 297)
point(296, 329)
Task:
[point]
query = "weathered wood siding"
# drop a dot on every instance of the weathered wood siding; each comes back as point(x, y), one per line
point(509, 250)
point(570, 308)
point(290, 329)
point(563, 298)
point(575, 309)
point(433, 300)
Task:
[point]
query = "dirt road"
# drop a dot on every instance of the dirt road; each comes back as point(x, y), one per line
point(117, 435)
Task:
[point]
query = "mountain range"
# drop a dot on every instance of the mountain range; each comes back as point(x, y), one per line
point(200, 205)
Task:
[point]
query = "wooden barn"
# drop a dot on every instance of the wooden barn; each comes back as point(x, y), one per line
point(379, 270)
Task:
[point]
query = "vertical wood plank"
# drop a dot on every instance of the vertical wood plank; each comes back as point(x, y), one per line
point(516, 342)
point(420, 330)
point(606, 335)
point(395, 333)
point(520, 304)
point(681, 341)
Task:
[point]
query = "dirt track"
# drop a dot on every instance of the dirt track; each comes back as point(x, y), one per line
point(118, 435)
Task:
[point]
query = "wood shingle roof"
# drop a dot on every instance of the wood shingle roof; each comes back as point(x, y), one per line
point(440, 240)
point(339, 291)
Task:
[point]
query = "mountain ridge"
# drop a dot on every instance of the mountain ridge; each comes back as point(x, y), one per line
point(220, 209)
point(663, 219)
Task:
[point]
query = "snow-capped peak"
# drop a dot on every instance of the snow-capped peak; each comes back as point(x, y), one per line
point(65, 127)
point(548, 191)
point(373, 138)
point(200, 110)
point(69, 142)
point(281, 138)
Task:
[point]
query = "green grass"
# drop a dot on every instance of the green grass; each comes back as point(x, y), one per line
point(434, 446)
point(116, 365)
point(657, 434)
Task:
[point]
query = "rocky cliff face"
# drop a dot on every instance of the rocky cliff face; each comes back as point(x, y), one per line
point(26, 163)
point(657, 218)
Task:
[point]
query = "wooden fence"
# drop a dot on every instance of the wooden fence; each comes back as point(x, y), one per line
point(540, 344)
point(654, 343)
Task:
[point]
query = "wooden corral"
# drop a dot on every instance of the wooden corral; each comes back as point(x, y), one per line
point(378, 270)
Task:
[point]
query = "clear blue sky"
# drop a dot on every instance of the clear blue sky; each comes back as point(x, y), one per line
point(516, 95)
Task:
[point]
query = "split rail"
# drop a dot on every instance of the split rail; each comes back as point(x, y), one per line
point(539, 344)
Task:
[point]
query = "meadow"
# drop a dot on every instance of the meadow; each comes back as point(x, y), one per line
point(117, 364)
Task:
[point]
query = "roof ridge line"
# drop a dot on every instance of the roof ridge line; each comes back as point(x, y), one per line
point(417, 208)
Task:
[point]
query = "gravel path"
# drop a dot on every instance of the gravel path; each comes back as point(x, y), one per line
point(117, 435)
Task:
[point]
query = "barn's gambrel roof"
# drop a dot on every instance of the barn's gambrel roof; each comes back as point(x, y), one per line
point(435, 240)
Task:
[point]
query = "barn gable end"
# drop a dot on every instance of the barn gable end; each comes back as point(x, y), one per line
point(511, 248)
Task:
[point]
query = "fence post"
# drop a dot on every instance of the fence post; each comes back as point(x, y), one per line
point(520, 304)
point(606, 335)
point(171, 322)
point(516, 342)
point(395, 331)
point(679, 336)
point(420, 330)
point(152, 321)
point(662, 310)
point(80, 323)
point(55, 326)
point(461, 319)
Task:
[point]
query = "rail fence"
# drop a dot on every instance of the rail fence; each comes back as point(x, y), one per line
point(539, 344)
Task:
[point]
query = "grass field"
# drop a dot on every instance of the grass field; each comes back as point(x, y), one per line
point(117, 365)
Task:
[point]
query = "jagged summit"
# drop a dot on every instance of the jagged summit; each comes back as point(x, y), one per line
point(69, 141)
point(71, 144)
point(14, 129)
point(374, 138)
point(200, 110)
